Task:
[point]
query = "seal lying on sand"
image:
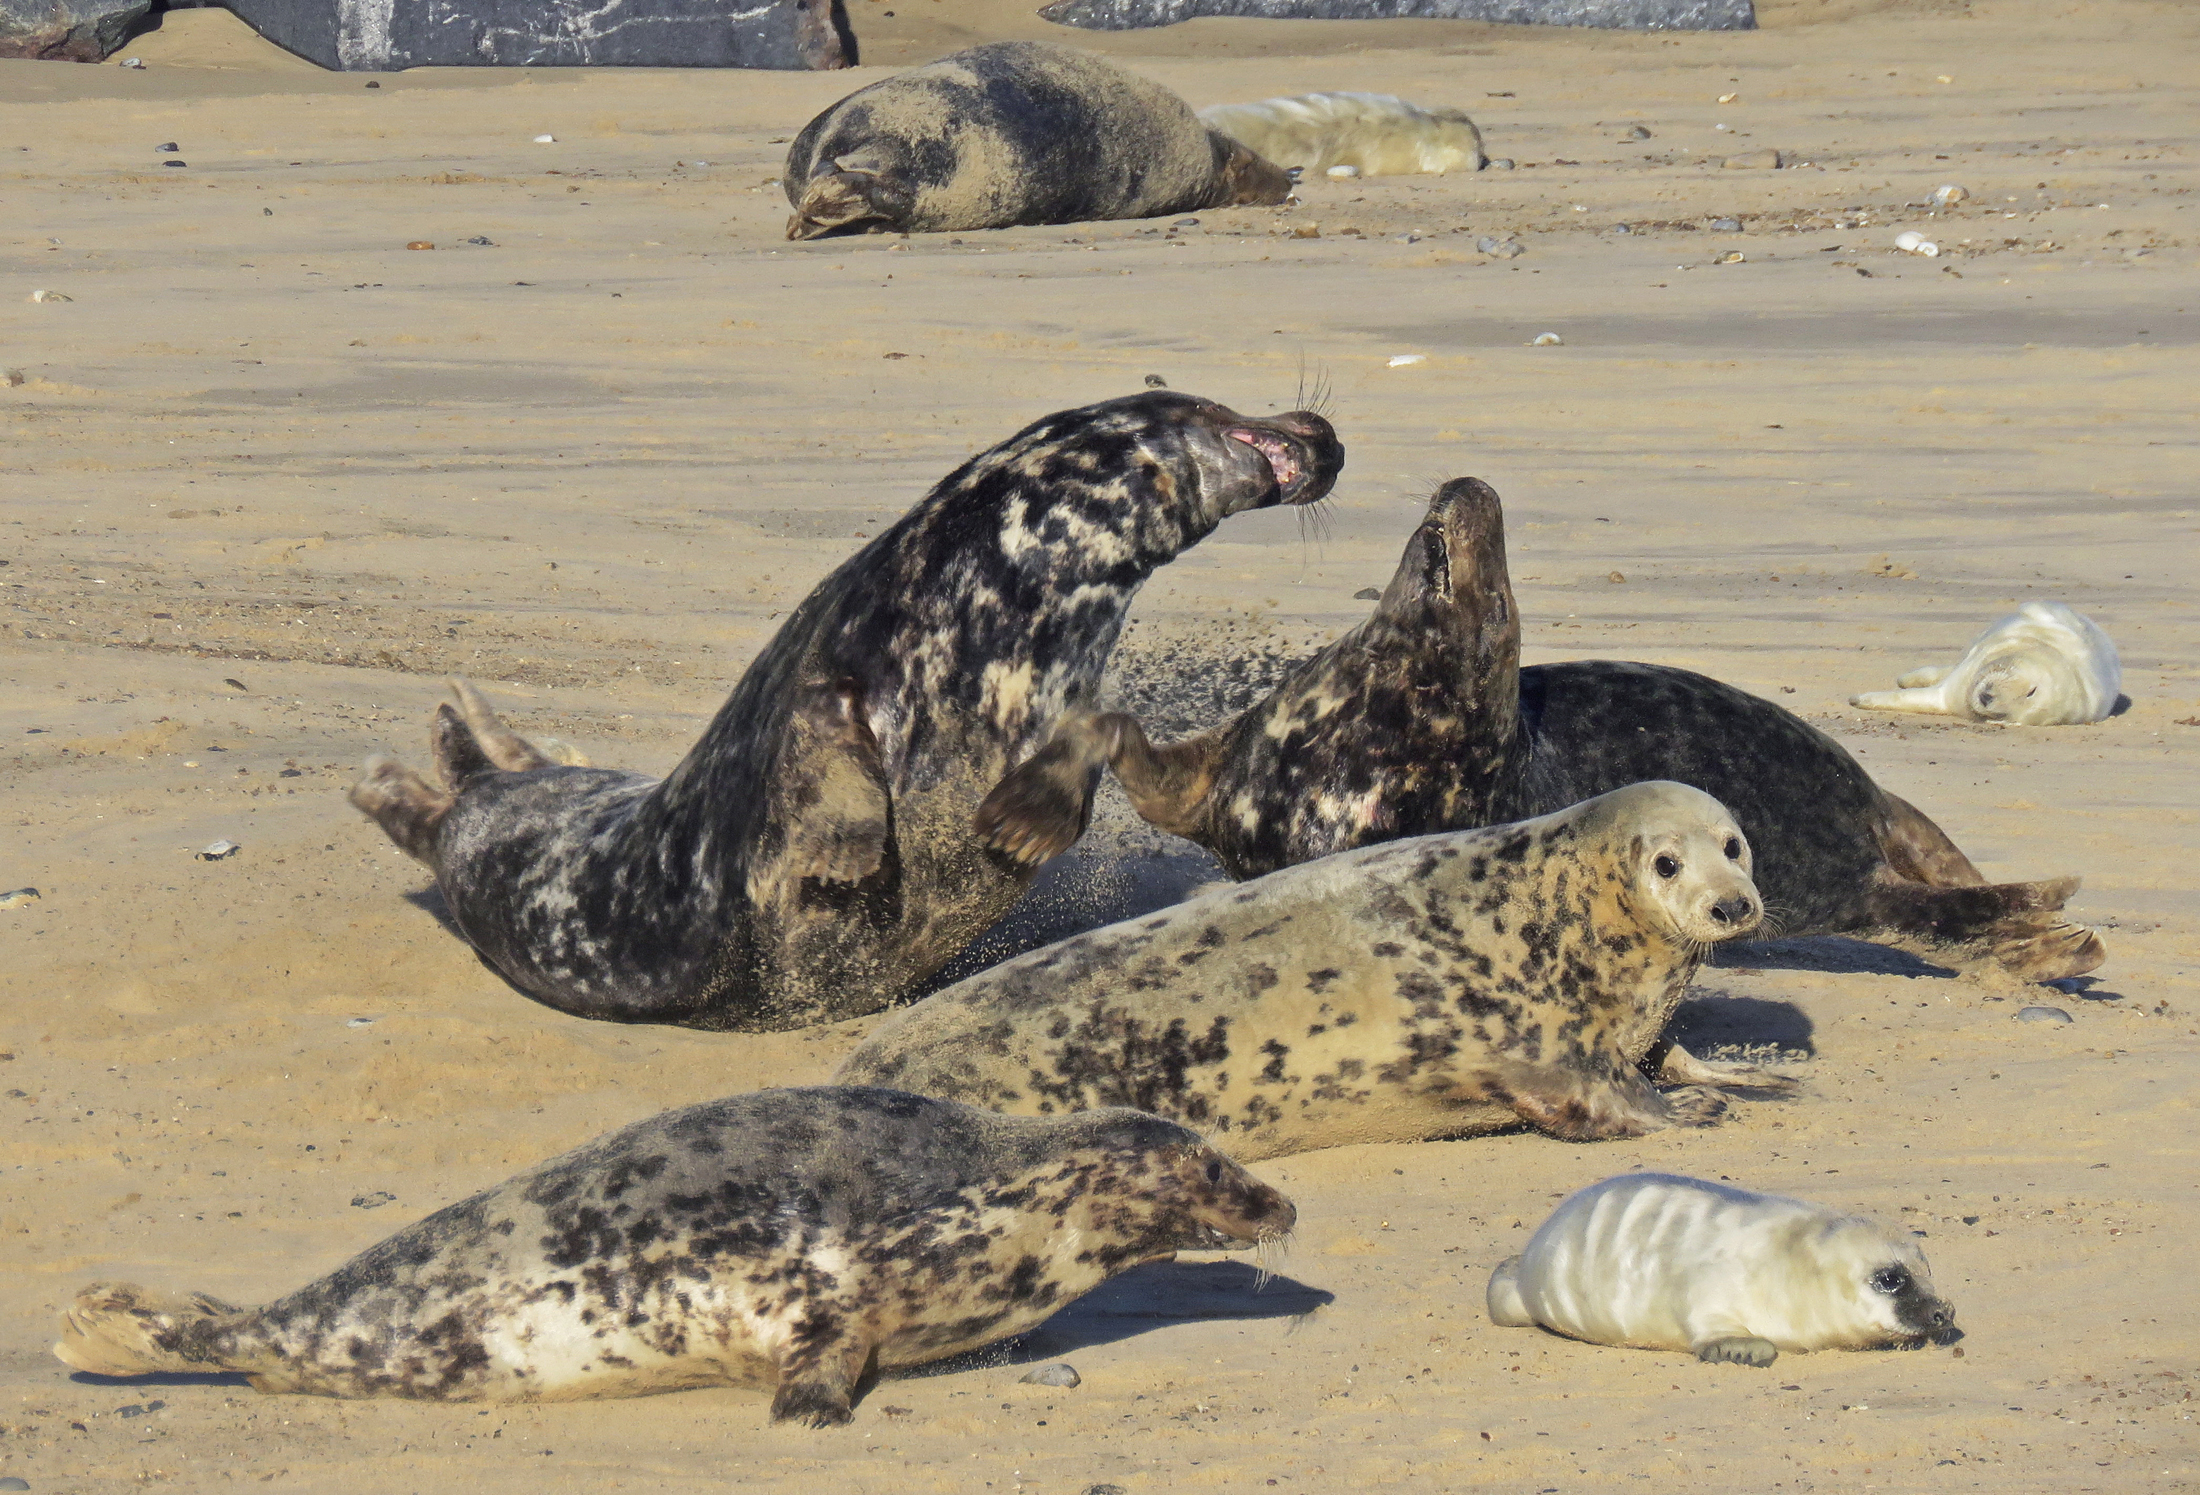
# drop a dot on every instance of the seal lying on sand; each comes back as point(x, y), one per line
point(1422, 720)
point(2045, 665)
point(1008, 133)
point(797, 1238)
point(1661, 1262)
point(1432, 987)
point(1376, 134)
point(812, 858)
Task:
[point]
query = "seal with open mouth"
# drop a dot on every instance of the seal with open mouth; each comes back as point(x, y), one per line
point(1422, 719)
point(798, 1239)
point(1660, 1262)
point(813, 857)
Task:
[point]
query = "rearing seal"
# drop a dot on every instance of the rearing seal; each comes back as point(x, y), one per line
point(788, 1238)
point(1422, 719)
point(1432, 987)
point(812, 858)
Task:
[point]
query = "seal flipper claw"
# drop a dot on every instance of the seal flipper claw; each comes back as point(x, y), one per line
point(1740, 1349)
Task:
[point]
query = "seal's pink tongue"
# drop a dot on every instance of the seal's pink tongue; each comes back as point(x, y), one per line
point(1282, 461)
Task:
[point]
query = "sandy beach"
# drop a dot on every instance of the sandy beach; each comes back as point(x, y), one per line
point(268, 476)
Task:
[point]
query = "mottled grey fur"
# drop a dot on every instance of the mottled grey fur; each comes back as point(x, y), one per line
point(1422, 720)
point(1008, 133)
point(1432, 987)
point(1630, 15)
point(793, 1238)
point(813, 857)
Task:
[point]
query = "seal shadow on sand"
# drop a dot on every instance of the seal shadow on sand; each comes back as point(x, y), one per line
point(1146, 1298)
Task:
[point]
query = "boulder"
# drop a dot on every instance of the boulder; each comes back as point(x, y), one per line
point(1629, 15)
point(383, 36)
point(67, 30)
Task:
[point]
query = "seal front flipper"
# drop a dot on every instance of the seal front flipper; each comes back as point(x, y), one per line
point(1676, 1066)
point(829, 804)
point(818, 1384)
point(1599, 1101)
point(1040, 808)
point(859, 195)
point(1738, 1349)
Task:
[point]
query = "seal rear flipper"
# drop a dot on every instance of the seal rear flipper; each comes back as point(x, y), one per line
point(408, 808)
point(2015, 926)
point(503, 747)
point(121, 1329)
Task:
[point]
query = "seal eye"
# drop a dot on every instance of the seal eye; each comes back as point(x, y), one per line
point(1668, 866)
point(1214, 1171)
point(1890, 1280)
point(1733, 848)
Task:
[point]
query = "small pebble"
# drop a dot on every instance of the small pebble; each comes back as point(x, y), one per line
point(14, 1482)
point(14, 378)
point(1341, 172)
point(1731, 257)
point(1060, 1373)
point(1726, 225)
point(126, 62)
point(420, 244)
point(19, 897)
point(1185, 223)
point(546, 140)
point(1155, 381)
point(218, 851)
point(1948, 194)
point(1367, 594)
point(1621, 228)
point(1307, 231)
point(1617, 576)
point(1637, 132)
point(178, 161)
point(1502, 249)
point(359, 1022)
point(1501, 163)
point(1548, 340)
point(2044, 1015)
point(375, 1200)
point(1404, 360)
point(483, 240)
point(170, 149)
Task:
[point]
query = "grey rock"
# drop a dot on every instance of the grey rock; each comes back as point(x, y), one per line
point(1726, 225)
point(1637, 132)
point(2044, 1015)
point(67, 31)
point(375, 1200)
point(395, 34)
point(1060, 1373)
point(1501, 249)
point(1624, 15)
point(1367, 594)
point(14, 1482)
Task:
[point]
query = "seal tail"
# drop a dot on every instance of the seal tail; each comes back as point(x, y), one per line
point(121, 1329)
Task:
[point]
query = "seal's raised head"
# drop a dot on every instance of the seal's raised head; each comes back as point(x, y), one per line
point(1685, 858)
point(1198, 1199)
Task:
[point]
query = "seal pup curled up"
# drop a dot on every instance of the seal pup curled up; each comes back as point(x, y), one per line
point(1432, 987)
point(798, 1239)
point(1009, 133)
point(1659, 1262)
point(1376, 134)
point(812, 858)
point(2045, 665)
point(1422, 719)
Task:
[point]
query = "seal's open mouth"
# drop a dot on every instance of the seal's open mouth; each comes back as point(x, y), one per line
point(1285, 461)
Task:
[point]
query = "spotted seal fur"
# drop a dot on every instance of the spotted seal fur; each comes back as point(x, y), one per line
point(1430, 987)
point(1661, 1262)
point(1422, 719)
point(812, 857)
point(1009, 133)
point(793, 1238)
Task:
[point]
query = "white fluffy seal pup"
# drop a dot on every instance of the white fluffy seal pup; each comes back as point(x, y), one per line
point(1377, 134)
point(1660, 1262)
point(2045, 665)
point(1433, 987)
point(791, 1239)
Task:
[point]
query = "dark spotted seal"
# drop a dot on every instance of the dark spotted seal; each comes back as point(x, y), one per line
point(1422, 719)
point(1013, 132)
point(1661, 1262)
point(1430, 987)
point(812, 858)
point(792, 1238)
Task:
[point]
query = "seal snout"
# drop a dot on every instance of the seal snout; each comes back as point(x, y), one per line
point(1736, 912)
point(1235, 1206)
point(1302, 451)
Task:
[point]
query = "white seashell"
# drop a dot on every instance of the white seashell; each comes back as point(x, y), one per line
point(43, 295)
point(219, 851)
point(546, 140)
point(1913, 242)
point(1342, 171)
point(1948, 194)
point(1401, 360)
point(133, 62)
point(18, 897)
point(1548, 340)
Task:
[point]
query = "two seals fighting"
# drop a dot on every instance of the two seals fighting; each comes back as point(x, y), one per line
point(1422, 719)
point(813, 857)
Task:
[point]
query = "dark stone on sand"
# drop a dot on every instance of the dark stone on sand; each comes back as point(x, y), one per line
point(385, 36)
point(1620, 15)
point(67, 30)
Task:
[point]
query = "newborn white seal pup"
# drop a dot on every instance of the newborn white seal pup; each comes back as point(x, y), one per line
point(798, 1239)
point(1427, 988)
point(1377, 134)
point(1009, 133)
point(1660, 1262)
point(2045, 665)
